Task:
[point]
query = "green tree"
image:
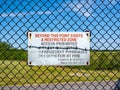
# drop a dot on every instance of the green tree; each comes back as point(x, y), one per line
point(5, 46)
point(7, 52)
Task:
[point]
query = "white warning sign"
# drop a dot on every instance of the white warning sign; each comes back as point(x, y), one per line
point(58, 48)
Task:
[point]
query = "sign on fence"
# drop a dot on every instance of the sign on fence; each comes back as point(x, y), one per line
point(58, 48)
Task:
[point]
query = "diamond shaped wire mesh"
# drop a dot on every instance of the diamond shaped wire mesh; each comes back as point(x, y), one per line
point(101, 18)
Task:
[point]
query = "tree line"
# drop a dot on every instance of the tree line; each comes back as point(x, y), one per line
point(8, 52)
point(99, 60)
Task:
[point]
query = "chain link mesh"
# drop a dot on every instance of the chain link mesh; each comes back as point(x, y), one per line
point(100, 17)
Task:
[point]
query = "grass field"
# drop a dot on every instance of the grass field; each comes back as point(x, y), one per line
point(19, 73)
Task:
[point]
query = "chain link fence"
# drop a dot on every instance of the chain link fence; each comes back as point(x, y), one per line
point(100, 17)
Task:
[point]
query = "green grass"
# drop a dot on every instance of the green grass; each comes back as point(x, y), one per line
point(102, 60)
point(19, 73)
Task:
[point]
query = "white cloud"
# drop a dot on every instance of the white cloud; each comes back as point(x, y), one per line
point(83, 8)
point(8, 14)
point(75, 7)
point(23, 13)
point(12, 14)
point(48, 12)
point(87, 14)
point(113, 2)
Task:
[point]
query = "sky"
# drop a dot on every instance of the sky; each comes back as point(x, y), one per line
point(100, 17)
